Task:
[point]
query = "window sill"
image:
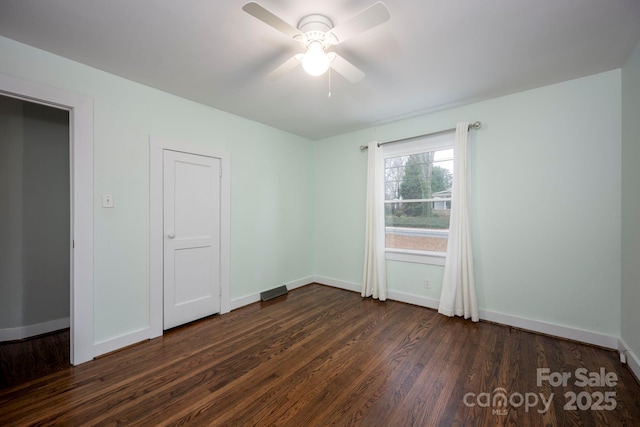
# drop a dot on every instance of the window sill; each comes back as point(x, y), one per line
point(419, 257)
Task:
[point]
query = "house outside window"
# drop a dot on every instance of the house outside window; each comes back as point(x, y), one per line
point(418, 180)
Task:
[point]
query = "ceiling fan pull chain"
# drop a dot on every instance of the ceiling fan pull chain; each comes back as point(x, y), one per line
point(329, 96)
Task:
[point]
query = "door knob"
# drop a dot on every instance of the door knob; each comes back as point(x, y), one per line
point(171, 235)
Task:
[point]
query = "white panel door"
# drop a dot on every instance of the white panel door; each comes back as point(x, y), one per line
point(191, 237)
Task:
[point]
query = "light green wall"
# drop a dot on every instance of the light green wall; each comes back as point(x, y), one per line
point(546, 196)
point(630, 317)
point(546, 203)
point(270, 181)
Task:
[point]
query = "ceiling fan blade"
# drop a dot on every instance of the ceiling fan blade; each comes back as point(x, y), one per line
point(372, 16)
point(286, 67)
point(256, 10)
point(346, 68)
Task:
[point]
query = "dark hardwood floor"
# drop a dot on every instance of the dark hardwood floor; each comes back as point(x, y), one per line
point(25, 360)
point(321, 356)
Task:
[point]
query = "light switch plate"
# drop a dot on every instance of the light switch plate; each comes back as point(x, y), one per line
point(107, 200)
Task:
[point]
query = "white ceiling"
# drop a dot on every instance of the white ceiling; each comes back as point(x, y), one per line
point(432, 54)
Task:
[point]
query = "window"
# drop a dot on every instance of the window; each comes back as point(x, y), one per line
point(418, 179)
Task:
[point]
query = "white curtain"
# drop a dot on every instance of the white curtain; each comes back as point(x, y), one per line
point(458, 296)
point(374, 282)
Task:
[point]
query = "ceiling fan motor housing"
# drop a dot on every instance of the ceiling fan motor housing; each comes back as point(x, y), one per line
point(315, 28)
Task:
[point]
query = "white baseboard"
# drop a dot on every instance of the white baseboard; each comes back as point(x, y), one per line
point(575, 334)
point(113, 344)
point(349, 286)
point(135, 337)
point(571, 333)
point(413, 299)
point(632, 359)
point(244, 300)
point(251, 298)
point(299, 283)
point(22, 332)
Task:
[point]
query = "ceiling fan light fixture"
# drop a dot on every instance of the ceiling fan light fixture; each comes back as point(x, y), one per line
point(315, 33)
point(315, 61)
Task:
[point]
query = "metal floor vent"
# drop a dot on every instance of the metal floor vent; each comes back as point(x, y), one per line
point(273, 293)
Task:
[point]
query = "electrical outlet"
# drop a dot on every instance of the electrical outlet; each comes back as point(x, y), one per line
point(427, 285)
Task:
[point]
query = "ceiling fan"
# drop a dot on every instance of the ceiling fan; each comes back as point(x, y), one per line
point(316, 34)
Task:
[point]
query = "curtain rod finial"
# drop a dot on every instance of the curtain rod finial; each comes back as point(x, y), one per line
point(476, 125)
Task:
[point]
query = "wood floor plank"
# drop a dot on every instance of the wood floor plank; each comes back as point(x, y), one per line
point(321, 356)
point(24, 360)
point(278, 367)
point(207, 366)
point(428, 393)
point(381, 355)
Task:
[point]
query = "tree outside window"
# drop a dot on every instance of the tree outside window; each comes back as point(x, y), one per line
point(417, 192)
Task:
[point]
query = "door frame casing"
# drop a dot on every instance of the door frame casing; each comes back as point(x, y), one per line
point(80, 110)
point(157, 146)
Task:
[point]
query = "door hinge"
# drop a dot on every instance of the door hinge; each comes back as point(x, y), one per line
point(73, 244)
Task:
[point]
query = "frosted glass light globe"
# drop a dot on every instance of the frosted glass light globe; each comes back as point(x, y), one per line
point(315, 61)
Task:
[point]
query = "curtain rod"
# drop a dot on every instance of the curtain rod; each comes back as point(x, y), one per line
point(474, 125)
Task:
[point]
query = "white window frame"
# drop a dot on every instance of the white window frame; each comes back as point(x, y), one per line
point(406, 148)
